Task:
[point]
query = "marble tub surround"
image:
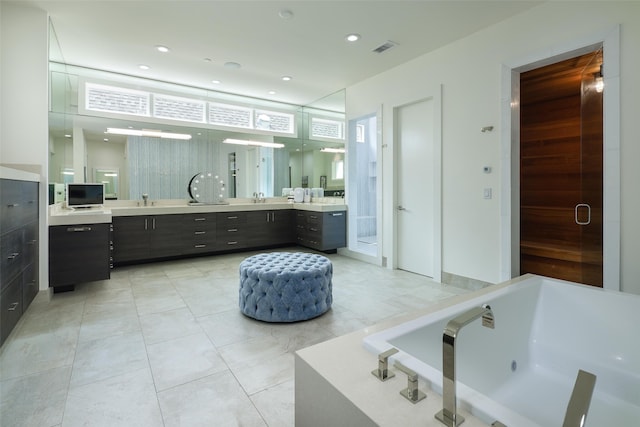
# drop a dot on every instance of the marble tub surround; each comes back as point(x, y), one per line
point(185, 354)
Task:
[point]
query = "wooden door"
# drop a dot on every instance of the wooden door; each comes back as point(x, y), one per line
point(561, 144)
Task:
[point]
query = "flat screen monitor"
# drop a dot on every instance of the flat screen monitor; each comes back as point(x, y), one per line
point(85, 195)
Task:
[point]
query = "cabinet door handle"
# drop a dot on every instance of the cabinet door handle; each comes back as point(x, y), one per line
point(200, 232)
point(232, 217)
point(200, 219)
point(153, 223)
point(32, 242)
point(78, 229)
point(13, 256)
point(273, 217)
point(313, 217)
point(582, 205)
point(232, 243)
point(336, 214)
point(200, 246)
point(313, 229)
point(232, 230)
point(13, 205)
point(267, 216)
point(146, 225)
point(13, 306)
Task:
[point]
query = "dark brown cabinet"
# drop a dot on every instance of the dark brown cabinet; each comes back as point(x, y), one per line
point(78, 253)
point(270, 228)
point(232, 231)
point(18, 250)
point(323, 231)
point(146, 238)
point(200, 233)
point(143, 237)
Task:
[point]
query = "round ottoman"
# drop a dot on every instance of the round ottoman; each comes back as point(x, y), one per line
point(285, 286)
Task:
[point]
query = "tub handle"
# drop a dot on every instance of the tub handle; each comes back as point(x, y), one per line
point(575, 212)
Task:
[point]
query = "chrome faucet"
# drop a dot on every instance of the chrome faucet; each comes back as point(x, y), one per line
point(449, 415)
point(145, 198)
point(261, 197)
point(580, 400)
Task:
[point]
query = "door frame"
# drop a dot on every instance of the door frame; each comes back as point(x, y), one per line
point(510, 141)
point(436, 96)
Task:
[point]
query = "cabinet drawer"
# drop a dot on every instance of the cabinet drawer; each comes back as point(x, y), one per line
point(200, 221)
point(30, 285)
point(19, 204)
point(225, 219)
point(10, 307)
point(12, 251)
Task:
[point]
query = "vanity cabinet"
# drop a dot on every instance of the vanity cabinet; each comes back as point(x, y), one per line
point(232, 231)
point(271, 228)
point(144, 237)
point(323, 231)
point(77, 254)
point(18, 250)
point(200, 232)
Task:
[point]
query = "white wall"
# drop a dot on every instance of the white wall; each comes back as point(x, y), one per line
point(470, 72)
point(24, 86)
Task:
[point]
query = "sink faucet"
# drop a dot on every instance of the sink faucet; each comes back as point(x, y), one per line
point(261, 197)
point(145, 198)
point(448, 415)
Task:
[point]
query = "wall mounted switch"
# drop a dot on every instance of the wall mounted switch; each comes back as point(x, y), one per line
point(487, 193)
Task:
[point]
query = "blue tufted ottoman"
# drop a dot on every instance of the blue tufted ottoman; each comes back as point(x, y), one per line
point(285, 286)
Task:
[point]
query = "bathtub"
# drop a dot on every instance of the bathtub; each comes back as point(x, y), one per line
point(522, 372)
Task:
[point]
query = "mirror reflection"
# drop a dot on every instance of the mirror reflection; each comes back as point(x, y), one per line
point(248, 162)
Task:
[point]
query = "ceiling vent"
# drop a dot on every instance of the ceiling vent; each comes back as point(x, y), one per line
point(385, 46)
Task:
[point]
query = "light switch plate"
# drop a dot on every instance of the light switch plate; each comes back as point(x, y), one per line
point(487, 193)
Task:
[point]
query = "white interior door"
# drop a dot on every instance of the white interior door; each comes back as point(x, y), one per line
point(416, 190)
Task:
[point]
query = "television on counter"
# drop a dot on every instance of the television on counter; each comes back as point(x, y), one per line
point(85, 195)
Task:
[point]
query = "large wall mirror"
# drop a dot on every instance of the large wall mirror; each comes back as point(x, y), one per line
point(247, 160)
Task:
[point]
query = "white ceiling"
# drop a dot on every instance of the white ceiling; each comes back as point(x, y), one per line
point(310, 46)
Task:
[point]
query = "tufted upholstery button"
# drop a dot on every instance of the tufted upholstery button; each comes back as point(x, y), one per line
point(285, 286)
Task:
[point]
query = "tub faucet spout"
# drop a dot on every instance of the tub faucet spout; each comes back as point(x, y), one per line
point(449, 415)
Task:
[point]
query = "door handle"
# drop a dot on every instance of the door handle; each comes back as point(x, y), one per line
point(400, 208)
point(575, 213)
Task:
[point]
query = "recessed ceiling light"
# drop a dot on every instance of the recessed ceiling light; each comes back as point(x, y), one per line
point(106, 139)
point(285, 14)
point(232, 65)
point(207, 60)
point(67, 135)
point(162, 49)
point(352, 37)
point(286, 78)
point(217, 82)
point(272, 92)
point(143, 67)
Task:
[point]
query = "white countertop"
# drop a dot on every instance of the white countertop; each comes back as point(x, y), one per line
point(61, 216)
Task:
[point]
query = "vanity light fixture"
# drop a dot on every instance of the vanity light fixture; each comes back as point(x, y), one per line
point(333, 150)
point(152, 133)
point(254, 143)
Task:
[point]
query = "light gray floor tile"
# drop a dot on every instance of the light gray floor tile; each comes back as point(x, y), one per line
point(34, 400)
point(168, 325)
point(107, 357)
point(182, 360)
point(216, 400)
point(123, 400)
point(276, 404)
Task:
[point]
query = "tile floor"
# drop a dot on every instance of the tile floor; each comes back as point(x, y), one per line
point(164, 344)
